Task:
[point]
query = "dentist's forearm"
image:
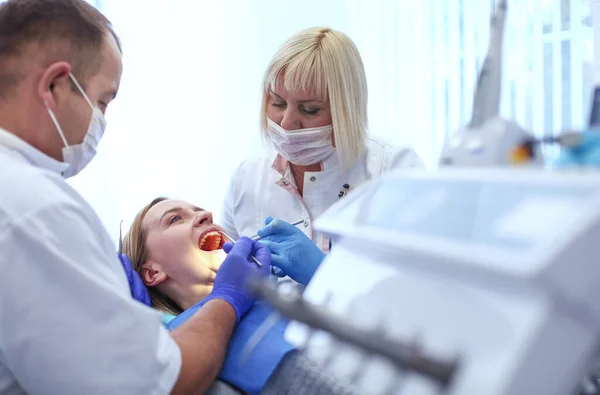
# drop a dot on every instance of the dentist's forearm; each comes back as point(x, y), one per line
point(203, 341)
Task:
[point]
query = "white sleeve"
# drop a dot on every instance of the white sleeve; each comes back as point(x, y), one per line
point(227, 217)
point(67, 322)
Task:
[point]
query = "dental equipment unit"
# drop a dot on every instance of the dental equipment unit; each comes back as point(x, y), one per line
point(461, 281)
point(488, 139)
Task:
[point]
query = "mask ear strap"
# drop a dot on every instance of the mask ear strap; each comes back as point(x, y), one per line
point(56, 124)
point(85, 96)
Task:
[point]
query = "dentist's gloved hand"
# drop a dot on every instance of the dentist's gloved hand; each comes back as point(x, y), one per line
point(235, 271)
point(136, 285)
point(293, 252)
point(584, 155)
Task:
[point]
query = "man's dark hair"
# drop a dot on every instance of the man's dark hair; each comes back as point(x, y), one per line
point(59, 30)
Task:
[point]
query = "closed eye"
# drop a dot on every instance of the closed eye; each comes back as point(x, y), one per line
point(310, 111)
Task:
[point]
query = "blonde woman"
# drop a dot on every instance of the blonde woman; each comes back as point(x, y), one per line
point(314, 114)
point(177, 251)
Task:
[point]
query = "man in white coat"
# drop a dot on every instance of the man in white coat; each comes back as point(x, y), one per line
point(68, 323)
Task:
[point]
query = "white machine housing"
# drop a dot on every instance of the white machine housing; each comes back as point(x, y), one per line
point(499, 267)
point(490, 145)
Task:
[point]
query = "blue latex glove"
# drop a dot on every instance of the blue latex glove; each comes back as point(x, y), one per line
point(136, 285)
point(236, 269)
point(293, 252)
point(586, 154)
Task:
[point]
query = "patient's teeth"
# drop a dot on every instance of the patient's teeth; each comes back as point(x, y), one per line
point(214, 240)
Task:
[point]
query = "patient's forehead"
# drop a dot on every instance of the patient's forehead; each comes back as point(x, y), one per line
point(153, 216)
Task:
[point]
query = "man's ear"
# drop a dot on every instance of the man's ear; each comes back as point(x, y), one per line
point(152, 274)
point(55, 83)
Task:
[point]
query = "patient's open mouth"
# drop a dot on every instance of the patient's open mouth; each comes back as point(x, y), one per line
point(211, 241)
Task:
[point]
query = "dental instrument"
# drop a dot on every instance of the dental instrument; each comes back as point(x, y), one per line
point(296, 223)
point(579, 148)
point(256, 237)
point(584, 151)
point(252, 257)
point(526, 150)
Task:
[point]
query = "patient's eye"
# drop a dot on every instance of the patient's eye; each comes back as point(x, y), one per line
point(174, 219)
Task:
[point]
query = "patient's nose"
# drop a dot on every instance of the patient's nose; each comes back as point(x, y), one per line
point(203, 218)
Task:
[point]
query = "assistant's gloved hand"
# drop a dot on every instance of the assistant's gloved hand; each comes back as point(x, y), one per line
point(232, 277)
point(136, 285)
point(293, 252)
point(585, 154)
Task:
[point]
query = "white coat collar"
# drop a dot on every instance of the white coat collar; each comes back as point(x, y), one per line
point(282, 166)
point(31, 154)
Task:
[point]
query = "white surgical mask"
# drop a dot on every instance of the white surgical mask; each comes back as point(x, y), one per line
point(78, 156)
point(302, 146)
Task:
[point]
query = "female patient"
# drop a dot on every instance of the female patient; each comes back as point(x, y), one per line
point(177, 249)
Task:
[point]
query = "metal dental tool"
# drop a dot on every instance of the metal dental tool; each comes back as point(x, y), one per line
point(299, 222)
point(252, 257)
point(257, 237)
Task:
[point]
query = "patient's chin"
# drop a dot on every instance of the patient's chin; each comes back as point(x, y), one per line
point(212, 259)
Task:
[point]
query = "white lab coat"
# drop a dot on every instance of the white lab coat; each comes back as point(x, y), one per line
point(68, 323)
point(257, 190)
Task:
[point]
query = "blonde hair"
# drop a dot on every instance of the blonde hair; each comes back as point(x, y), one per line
point(328, 62)
point(134, 245)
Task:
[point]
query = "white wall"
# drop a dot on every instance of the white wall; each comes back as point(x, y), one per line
point(187, 112)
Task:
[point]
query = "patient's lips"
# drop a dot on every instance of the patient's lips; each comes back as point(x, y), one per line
point(211, 240)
